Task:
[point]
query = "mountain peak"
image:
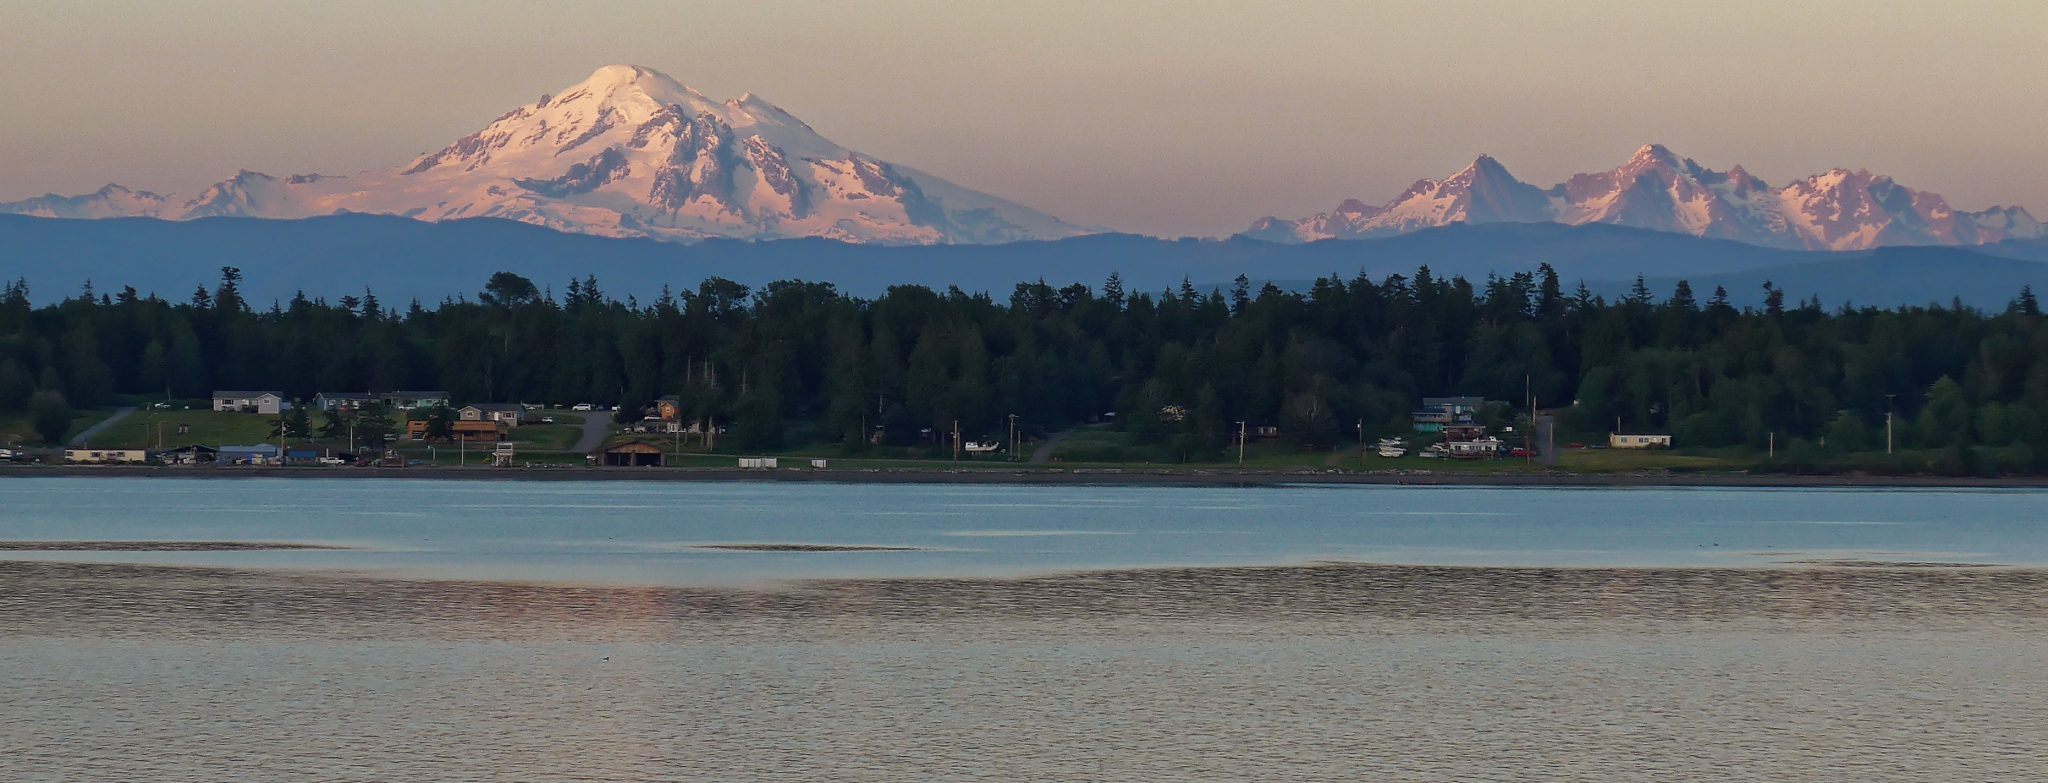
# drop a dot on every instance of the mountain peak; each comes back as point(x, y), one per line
point(1485, 167)
point(631, 152)
point(612, 78)
point(1653, 154)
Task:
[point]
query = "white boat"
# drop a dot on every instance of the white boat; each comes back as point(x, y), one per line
point(1392, 448)
point(1435, 450)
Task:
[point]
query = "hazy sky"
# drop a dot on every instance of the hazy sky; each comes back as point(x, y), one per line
point(1184, 117)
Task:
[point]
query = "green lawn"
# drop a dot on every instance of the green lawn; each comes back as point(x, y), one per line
point(553, 437)
point(1626, 460)
point(205, 427)
point(480, 454)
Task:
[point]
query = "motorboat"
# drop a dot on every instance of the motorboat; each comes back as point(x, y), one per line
point(1392, 448)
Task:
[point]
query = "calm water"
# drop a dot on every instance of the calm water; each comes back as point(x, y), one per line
point(572, 632)
point(650, 533)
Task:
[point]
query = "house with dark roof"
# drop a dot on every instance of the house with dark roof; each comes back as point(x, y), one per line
point(245, 401)
point(341, 401)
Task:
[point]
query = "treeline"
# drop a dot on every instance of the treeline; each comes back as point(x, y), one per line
point(801, 362)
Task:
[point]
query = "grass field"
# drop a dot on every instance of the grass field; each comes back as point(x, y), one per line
point(207, 427)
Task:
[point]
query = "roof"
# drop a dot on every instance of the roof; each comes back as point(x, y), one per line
point(194, 448)
point(633, 447)
point(415, 393)
point(260, 448)
point(493, 407)
point(1473, 402)
point(346, 395)
point(669, 398)
point(245, 393)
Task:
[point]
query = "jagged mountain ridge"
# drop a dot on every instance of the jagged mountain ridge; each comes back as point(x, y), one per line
point(628, 152)
point(1661, 191)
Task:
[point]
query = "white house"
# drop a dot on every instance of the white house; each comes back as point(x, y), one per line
point(410, 400)
point(1617, 440)
point(268, 402)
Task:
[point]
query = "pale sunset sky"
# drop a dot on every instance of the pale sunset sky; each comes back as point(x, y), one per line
point(1168, 118)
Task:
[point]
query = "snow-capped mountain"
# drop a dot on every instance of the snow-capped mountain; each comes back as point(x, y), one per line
point(627, 152)
point(1658, 190)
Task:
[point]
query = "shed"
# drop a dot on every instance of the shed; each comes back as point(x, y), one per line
point(632, 454)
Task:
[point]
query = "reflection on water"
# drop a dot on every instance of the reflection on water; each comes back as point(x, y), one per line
point(1320, 672)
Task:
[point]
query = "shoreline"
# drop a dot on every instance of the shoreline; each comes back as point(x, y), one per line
point(1139, 477)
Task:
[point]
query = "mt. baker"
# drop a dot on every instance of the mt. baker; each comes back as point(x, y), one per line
point(1660, 191)
point(628, 152)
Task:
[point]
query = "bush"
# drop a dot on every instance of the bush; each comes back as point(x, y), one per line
point(50, 415)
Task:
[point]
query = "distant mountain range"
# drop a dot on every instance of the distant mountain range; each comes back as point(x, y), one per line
point(628, 152)
point(1660, 191)
point(404, 259)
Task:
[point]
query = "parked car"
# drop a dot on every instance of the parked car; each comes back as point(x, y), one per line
point(1519, 453)
point(161, 406)
point(583, 406)
point(547, 419)
point(332, 461)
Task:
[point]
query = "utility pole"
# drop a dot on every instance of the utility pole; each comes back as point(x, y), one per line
point(1771, 445)
point(461, 449)
point(1361, 439)
point(956, 440)
point(1240, 444)
point(1888, 423)
point(1529, 435)
point(1013, 437)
